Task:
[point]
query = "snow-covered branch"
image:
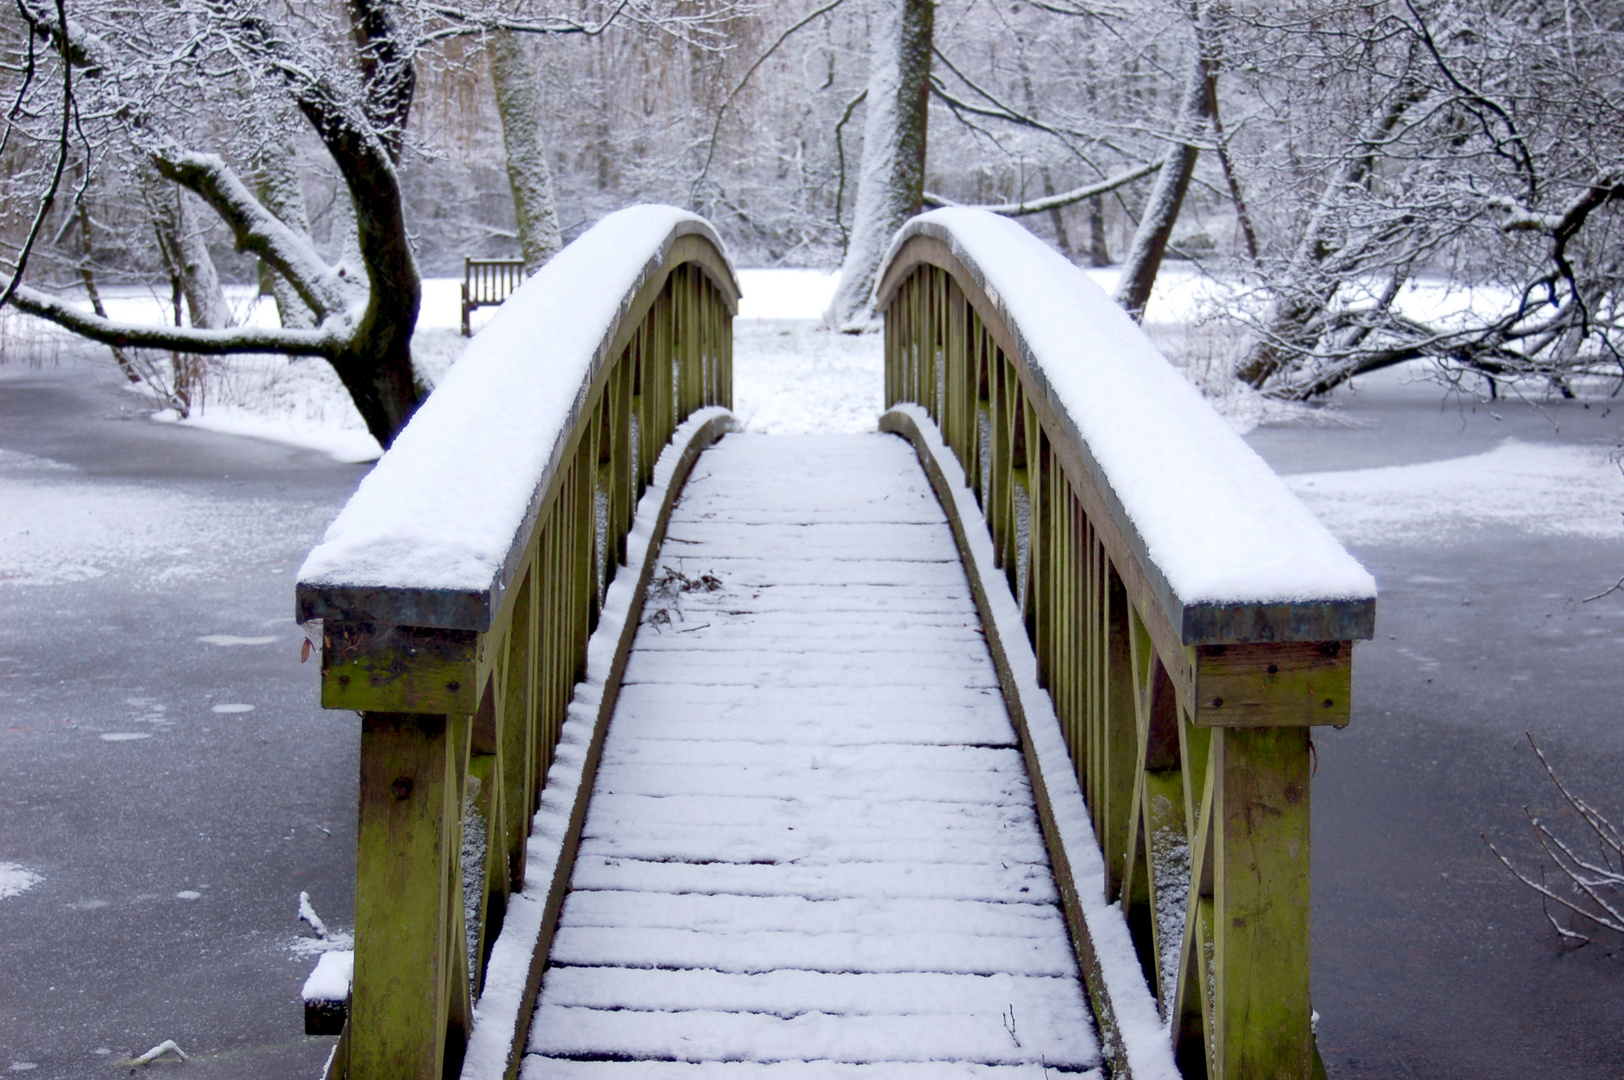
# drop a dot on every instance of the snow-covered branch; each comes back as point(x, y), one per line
point(258, 231)
point(131, 335)
point(1064, 198)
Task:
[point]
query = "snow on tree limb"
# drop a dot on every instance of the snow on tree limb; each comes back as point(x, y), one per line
point(1054, 202)
point(257, 230)
point(239, 339)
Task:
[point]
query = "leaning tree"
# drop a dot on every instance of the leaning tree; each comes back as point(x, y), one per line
point(163, 92)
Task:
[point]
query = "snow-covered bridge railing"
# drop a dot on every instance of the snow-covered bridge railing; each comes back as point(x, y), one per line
point(1190, 620)
point(459, 590)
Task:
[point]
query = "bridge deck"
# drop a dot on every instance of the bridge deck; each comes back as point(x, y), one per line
point(811, 848)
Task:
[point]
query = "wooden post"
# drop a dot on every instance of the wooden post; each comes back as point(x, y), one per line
point(1260, 845)
point(407, 857)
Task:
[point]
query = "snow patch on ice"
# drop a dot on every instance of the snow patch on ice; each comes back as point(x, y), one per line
point(16, 880)
point(339, 443)
point(1539, 488)
point(125, 736)
point(232, 707)
point(335, 941)
point(57, 530)
point(233, 639)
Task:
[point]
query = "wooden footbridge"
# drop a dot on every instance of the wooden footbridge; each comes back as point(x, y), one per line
point(980, 751)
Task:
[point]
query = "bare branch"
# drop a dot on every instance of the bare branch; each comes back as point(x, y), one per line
point(710, 154)
point(1616, 586)
point(48, 198)
point(1064, 198)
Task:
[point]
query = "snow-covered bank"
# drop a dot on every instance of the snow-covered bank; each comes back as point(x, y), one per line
point(1549, 490)
point(789, 377)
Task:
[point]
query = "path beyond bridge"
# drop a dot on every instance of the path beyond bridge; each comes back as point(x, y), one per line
point(812, 837)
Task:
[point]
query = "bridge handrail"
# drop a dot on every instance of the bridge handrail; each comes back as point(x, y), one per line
point(433, 534)
point(1189, 618)
point(459, 590)
point(1227, 547)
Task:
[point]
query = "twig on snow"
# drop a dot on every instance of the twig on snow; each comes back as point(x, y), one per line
point(307, 914)
point(166, 1047)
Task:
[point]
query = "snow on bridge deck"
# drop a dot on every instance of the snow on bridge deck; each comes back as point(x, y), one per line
point(811, 848)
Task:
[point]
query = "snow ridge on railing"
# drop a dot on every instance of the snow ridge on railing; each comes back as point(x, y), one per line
point(433, 534)
point(492, 561)
point(1212, 520)
point(1188, 618)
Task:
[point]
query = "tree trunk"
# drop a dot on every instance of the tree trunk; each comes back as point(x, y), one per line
point(281, 190)
point(519, 105)
point(891, 180)
point(1056, 221)
point(191, 269)
point(1099, 254)
point(1167, 196)
point(175, 219)
point(87, 274)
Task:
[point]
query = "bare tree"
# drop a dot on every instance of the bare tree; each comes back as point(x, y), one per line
point(1473, 140)
point(149, 84)
point(1161, 210)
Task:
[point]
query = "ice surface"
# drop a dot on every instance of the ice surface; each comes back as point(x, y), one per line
point(1215, 520)
point(58, 526)
point(444, 507)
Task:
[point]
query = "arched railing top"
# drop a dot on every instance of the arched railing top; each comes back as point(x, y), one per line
point(434, 535)
point(1227, 548)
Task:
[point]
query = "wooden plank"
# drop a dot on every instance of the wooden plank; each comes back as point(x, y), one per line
point(398, 668)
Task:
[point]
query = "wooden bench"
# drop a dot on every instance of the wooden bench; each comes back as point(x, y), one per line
point(487, 283)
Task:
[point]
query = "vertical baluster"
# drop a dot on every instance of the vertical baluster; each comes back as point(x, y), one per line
point(1121, 741)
